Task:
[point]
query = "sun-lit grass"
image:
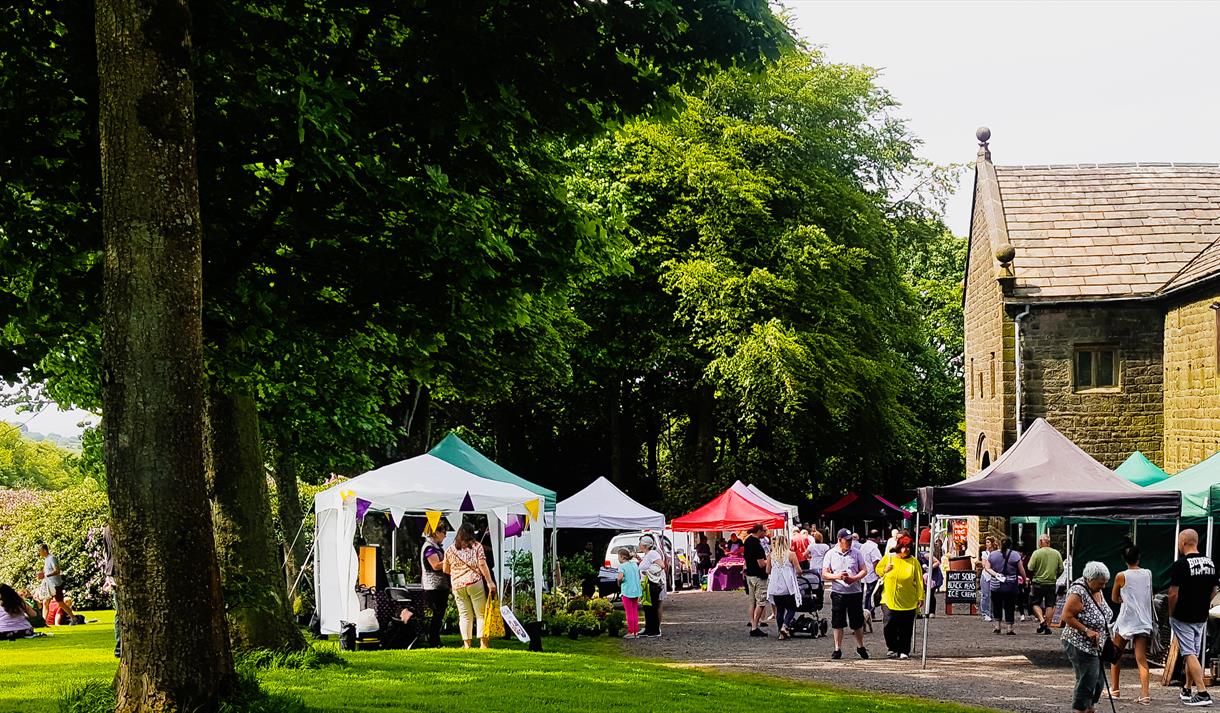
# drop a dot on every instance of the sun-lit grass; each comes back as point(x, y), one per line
point(584, 675)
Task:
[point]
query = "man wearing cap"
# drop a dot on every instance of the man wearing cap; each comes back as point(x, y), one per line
point(844, 568)
point(756, 577)
point(870, 550)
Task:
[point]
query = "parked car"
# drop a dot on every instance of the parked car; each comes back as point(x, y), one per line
point(607, 576)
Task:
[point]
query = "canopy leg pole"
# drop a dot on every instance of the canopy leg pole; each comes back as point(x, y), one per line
point(393, 548)
point(1177, 530)
point(927, 602)
point(1135, 530)
point(555, 558)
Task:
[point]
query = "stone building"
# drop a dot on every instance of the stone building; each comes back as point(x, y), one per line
point(1093, 300)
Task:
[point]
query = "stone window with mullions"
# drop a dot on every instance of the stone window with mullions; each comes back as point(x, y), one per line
point(1095, 368)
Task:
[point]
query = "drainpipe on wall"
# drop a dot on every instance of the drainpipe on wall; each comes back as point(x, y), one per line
point(1020, 394)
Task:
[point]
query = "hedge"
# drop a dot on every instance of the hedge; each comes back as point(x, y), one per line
point(70, 522)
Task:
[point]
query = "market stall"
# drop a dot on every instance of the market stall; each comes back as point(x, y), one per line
point(729, 511)
point(416, 486)
point(1044, 473)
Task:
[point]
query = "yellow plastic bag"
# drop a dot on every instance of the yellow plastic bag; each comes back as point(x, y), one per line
point(493, 620)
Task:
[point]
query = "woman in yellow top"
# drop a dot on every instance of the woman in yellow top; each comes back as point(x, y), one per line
point(902, 595)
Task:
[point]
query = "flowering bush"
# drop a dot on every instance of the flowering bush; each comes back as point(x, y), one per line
point(69, 521)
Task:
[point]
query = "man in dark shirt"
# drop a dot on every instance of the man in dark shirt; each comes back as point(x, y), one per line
point(703, 556)
point(1192, 584)
point(756, 577)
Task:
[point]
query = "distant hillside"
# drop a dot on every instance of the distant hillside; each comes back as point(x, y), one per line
point(71, 443)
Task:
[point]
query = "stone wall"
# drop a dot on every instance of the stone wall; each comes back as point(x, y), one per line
point(1108, 423)
point(1192, 391)
point(988, 340)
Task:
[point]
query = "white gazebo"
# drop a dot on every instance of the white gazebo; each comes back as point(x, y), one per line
point(794, 513)
point(764, 501)
point(603, 506)
point(409, 487)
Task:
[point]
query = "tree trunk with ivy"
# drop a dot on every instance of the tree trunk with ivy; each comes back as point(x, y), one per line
point(175, 652)
point(256, 601)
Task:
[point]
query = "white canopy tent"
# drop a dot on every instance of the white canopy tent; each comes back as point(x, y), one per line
point(758, 498)
point(411, 486)
point(794, 514)
point(603, 506)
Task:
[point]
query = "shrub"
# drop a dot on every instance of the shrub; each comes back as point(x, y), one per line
point(575, 568)
point(601, 607)
point(559, 623)
point(554, 602)
point(587, 623)
point(70, 522)
point(615, 623)
point(577, 604)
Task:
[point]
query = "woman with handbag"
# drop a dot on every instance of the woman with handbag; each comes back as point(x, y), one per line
point(902, 589)
point(1085, 618)
point(1133, 589)
point(1006, 569)
point(652, 567)
point(466, 565)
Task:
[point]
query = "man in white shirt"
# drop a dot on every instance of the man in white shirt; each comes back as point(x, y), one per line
point(870, 550)
point(53, 578)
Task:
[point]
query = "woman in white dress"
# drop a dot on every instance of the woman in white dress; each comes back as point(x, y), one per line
point(1133, 589)
point(782, 589)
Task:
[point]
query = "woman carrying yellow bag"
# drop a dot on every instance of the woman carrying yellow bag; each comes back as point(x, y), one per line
point(493, 620)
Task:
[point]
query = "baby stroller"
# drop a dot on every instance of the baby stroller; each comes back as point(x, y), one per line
point(808, 620)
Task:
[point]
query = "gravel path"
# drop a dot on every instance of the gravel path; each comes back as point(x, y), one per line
point(966, 662)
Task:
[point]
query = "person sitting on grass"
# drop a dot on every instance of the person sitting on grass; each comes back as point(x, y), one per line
point(37, 621)
point(15, 615)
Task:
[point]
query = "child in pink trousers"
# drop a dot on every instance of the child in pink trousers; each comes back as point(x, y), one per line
point(630, 590)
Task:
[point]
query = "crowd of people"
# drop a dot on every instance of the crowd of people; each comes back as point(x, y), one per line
point(861, 576)
point(1091, 641)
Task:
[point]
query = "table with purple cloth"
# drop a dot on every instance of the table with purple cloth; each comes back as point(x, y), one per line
point(729, 574)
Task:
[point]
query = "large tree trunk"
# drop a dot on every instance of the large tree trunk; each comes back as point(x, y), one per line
point(175, 641)
point(256, 600)
point(290, 514)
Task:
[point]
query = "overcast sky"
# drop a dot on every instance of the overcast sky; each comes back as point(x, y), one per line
point(1089, 82)
point(1056, 83)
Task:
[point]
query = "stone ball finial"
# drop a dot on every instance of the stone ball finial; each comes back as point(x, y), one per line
point(1005, 253)
point(983, 134)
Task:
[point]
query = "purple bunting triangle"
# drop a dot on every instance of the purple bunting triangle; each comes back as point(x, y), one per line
point(515, 526)
point(467, 504)
point(362, 506)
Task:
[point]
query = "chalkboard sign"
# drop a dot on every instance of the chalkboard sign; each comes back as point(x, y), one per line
point(960, 587)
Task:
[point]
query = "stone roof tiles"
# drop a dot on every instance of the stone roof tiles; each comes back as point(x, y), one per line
point(1111, 231)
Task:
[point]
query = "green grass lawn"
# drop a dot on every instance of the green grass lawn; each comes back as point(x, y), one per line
point(586, 675)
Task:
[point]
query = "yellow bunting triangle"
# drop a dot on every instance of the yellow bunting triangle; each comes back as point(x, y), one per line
point(434, 519)
point(532, 507)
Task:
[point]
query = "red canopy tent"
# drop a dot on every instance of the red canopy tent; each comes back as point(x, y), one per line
point(728, 511)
